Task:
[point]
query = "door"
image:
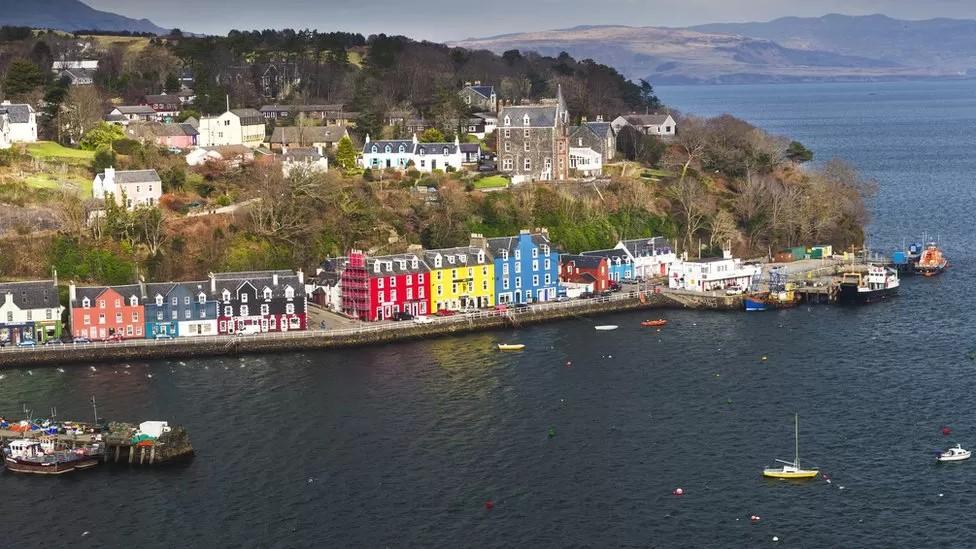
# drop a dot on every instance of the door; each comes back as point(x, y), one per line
point(433, 164)
point(388, 163)
point(518, 296)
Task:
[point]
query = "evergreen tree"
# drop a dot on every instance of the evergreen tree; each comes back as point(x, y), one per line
point(346, 154)
point(102, 135)
point(431, 135)
point(23, 77)
point(798, 153)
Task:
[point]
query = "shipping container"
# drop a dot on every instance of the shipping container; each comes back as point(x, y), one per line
point(799, 253)
point(783, 257)
point(816, 253)
point(827, 250)
point(899, 258)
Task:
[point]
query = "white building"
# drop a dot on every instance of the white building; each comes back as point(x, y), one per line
point(23, 122)
point(124, 114)
point(200, 156)
point(234, 127)
point(585, 161)
point(399, 153)
point(86, 64)
point(303, 158)
point(710, 274)
point(661, 125)
point(140, 187)
point(651, 257)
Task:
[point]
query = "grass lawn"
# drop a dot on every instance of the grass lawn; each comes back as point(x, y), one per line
point(491, 182)
point(49, 150)
point(656, 173)
point(48, 181)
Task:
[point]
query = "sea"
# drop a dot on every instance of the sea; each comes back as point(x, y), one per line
point(582, 439)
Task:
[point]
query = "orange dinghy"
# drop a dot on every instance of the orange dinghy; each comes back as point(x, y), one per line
point(654, 323)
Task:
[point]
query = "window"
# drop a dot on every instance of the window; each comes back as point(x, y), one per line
point(508, 164)
point(290, 309)
point(518, 282)
point(528, 164)
point(101, 318)
point(393, 295)
point(118, 318)
point(505, 283)
point(47, 314)
point(289, 293)
point(525, 120)
point(85, 303)
point(445, 151)
point(508, 146)
point(535, 280)
point(388, 149)
point(202, 298)
point(203, 313)
point(174, 315)
point(547, 265)
point(409, 293)
point(400, 149)
point(159, 300)
point(379, 282)
point(535, 264)
point(228, 311)
point(374, 149)
point(186, 300)
point(159, 316)
point(265, 309)
point(508, 121)
point(526, 135)
point(409, 280)
point(393, 282)
point(175, 301)
point(518, 255)
point(518, 268)
point(508, 134)
point(525, 146)
point(244, 310)
point(128, 330)
point(118, 303)
point(101, 303)
point(87, 319)
point(30, 315)
point(135, 316)
point(535, 252)
point(187, 314)
point(244, 298)
point(420, 278)
point(226, 296)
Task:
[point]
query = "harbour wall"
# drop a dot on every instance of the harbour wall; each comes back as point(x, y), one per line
point(367, 334)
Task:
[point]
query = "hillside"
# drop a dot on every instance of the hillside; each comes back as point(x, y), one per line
point(948, 44)
point(673, 56)
point(69, 15)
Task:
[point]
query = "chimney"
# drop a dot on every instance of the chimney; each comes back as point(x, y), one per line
point(109, 179)
point(274, 279)
point(72, 293)
point(599, 118)
point(467, 82)
point(478, 240)
point(415, 138)
point(301, 276)
point(142, 286)
point(213, 283)
point(55, 272)
point(320, 149)
point(477, 82)
point(583, 120)
point(367, 138)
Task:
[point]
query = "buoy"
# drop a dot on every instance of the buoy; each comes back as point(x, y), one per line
point(569, 363)
point(840, 487)
point(489, 505)
point(764, 357)
point(775, 538)
point(729, 401)
point(609, 356)
point(754, 518)
point(678, 492)
point(552, 432)
point(85, 533)
point(946, 431)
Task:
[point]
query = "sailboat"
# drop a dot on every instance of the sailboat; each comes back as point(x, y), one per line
point(791, 469)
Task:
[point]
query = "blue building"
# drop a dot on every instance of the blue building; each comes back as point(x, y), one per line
point(526, 266)
point(179, 309)
point(620, 265)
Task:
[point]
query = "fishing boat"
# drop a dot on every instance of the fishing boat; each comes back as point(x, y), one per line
point(44, 457)
point(792, 469)
point(954, 454)
point(932, 261)
point(765, 301)
point(654, 323)
point(878, 284)
point(606, 327)
point(510, 346)
point(755, 303)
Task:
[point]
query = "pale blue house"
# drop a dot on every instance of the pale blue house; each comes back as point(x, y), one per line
point(619, 263)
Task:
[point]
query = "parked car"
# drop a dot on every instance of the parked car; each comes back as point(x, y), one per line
point(422, 320)
point(111, 338)
point(27, 343)
point(487, 166)
point(606, 293)
point(80, 341)
point(249, 329)
point(563, 298)
point(445, 312)
point(402, 315)
point(734, 290)
point(53, 342)
point(163, 336)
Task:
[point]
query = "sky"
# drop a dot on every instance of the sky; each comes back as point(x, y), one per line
point(445, 20)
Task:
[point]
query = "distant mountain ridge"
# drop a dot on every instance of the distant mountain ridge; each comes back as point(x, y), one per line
point(791, 49)
point(69, 15)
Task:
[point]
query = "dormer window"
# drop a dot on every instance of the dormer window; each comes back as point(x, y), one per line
point(423, 151)
point(86, 303)
point(450, 259)
point(388, 149)
point(133, 301)
point(445, 151)
point(545, 250)
point(267, 294)
point(202, 298)
point(226, 295)
point(438, 261)
point(505, 254)
point(481, 257)
point(403, 264)
point(508, 121)
point(244, 298)
point(159, 300)
point(374, 149)
point(525, 120)
point(401, 149)
point(415, 263)
point(289, 292)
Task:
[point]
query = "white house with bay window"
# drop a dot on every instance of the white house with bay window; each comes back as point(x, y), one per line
point(402, 154)
point(711, 274)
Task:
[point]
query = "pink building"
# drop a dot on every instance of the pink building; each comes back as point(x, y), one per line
point(179, 136)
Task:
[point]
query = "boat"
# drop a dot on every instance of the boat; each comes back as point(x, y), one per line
point(654, 323)
point(878, 284)
point(792, 469)
point(755, 303)
point(606, 327)
point(954, 454)
point(44, 457)
point(510, 346)
point(765, 301)
point(932, 261)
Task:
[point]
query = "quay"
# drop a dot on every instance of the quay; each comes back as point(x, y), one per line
point(119, 447)
point(366, 334)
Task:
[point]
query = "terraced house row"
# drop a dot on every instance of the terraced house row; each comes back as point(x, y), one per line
point(520, 269)
point(224, 304)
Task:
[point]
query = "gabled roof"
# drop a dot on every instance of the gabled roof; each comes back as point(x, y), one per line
point(582, 261)
point(301, 154)
point(17, 113)
point(35, 294)
point(92, 292)
point(393, 143)
point(135, 109)
point(483, 91)
point(308, 134)
point(436, 148)
point(249, 117)
point(510, 243)
point(613, 254)
point(158, 129)
point(259, 280)
point(646, 246)
point(301, 108)
point(540, 116)
point(78, 74)
point(135, 176)
point(162, 99)
point(390, 264)
point(463, 256)
point(647, 119)
point(470, 147)
point(601, 129)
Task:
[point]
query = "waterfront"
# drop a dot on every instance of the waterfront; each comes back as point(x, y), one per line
point(402, 445)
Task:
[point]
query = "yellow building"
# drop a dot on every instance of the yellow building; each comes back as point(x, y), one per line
point(460, 279)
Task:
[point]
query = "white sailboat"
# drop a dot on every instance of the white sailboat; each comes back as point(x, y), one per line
point(792, 469)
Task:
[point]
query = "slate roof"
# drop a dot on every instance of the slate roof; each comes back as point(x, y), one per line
point(646, 119)
point(135, 109)
point(308, 134)
point(436, 148)
point(646, 246)
point(599, 128)
point(92, 292)
point(484, 91)
point(582, 261)
point(390, 265)
point(510, 243)
point(301, 108)
point(470, 254)
point(78, 74)
point(612, 255)
point(163, 99)
point(299, 154)
point(135, 176)
point(157, 129)
point(540, 116)
point(470, 147)
point(35, 294)
point(17, 113)
point(249, 117)
point(393, 143)
point(260, 280)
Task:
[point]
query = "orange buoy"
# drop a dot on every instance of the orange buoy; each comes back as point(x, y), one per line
point(489, 505)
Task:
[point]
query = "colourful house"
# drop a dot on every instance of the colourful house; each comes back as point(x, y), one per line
point(377, 288)
point(259, 301)
point(179, 309)
point(619, 263)
point(99, 312)
point(460, 279)
point(585, 269)
point(526, 266)
point(29, 311)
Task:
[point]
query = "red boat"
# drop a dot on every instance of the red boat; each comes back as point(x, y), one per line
point(654, 323)
point(932, 261)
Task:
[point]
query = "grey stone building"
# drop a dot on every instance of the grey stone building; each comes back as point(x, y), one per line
point(533, 141)
point(598, 136)
point(479, 97)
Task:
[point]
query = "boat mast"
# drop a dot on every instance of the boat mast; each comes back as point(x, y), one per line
point(796, 439)
point(94, 412)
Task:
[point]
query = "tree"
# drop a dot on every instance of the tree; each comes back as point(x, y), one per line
point(346, 154)
point(172, 83)
point(150, 228)
point(648, 99)
point(797, 153)
point(431, 135)
point(187, 114)
point(104, 158)
point(82, 110)
point(693, 206)
point(102, 135)
point(690, 144)
point(174, 179)
point(22, 79)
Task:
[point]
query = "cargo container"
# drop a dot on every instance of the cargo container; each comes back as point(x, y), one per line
point(783, 257)
point(899, 258)
point(799, 253)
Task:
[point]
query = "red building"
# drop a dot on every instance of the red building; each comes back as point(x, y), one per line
point(98, 312)
point(376, 288)
point(585, 269)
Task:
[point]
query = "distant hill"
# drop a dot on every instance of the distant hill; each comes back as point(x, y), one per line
point(69, 15)
point(667, 55)
point(948, 44)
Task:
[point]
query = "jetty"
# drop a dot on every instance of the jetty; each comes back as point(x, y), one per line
point(122, 444)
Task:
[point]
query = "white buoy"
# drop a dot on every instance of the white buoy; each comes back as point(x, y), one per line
point(775, 538)
point(940, 495)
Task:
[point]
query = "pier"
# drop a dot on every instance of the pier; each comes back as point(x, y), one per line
point(119, 448)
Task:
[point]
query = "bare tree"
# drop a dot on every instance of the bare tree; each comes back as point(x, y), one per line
point(690, 143)
point(693, 204)
point(150, 226)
